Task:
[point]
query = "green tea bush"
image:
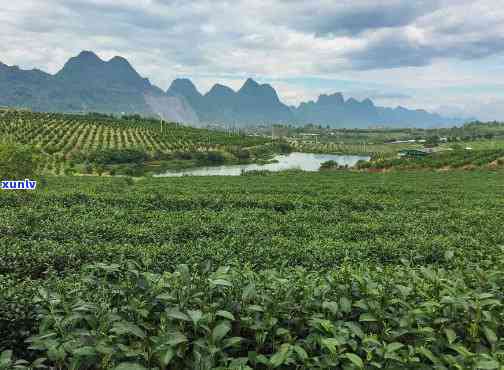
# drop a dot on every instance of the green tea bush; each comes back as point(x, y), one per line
point(446, 159)
point(326, 270)
point(125, 316)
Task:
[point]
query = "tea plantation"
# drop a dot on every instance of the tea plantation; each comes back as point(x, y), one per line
point(97, 143)
point(336, 270)
point(446, 160)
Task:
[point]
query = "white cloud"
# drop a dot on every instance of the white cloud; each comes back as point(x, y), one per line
point(402, 44)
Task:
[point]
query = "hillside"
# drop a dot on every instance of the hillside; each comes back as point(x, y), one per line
point(98, 143)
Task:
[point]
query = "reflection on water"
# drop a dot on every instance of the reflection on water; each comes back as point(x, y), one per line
point(302, 161)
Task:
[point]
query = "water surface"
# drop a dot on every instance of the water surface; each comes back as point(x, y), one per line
point(302, 161)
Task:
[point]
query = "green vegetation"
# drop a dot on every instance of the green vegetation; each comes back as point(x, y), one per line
point(332, 165)
point(326, 270)
point(97, 143)
point(445, 160)
point(352, 149)
point(387, 142)
point(289, 270)
point(18, 162)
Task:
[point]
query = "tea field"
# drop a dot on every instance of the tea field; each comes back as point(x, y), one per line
point(444, 160)
point(89, 143)
point(332, 270)
point(387, 142)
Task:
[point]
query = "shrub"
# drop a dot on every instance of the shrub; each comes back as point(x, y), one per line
point(215, 157)
point(118, 156)
point(255, 173)
point(329, 165)
point(18, 162)
point(135, 170)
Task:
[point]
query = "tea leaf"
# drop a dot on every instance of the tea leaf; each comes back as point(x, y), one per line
point(356, 360)
point(220, 331)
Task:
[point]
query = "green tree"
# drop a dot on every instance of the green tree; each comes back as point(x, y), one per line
point(18, 162)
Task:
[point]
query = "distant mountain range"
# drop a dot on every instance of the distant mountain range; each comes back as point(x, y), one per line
point(253, 104)
point(88, 84)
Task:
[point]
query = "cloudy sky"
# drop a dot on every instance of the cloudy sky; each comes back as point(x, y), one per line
point(443, 55)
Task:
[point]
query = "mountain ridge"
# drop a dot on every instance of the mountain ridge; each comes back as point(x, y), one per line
point(88, 83)
point(333, 110)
